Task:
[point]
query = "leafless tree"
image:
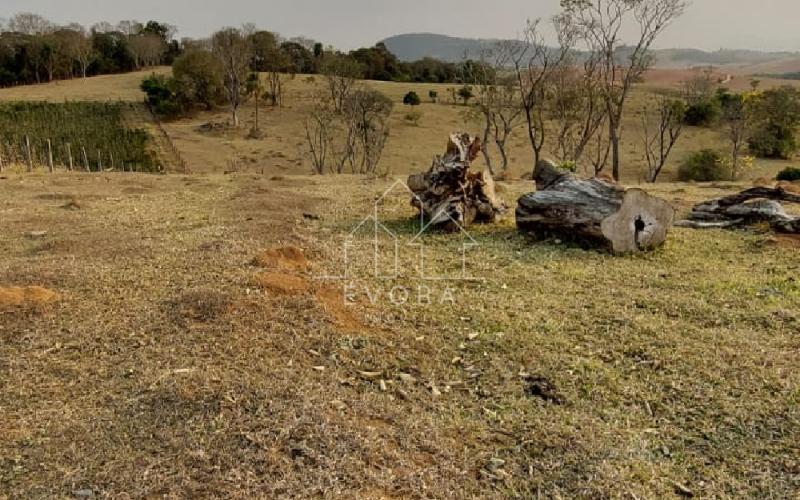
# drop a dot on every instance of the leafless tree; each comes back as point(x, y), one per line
point(232, 47)
point(320, 127)
point(658, 143)
point(30, 24)
point(84, 52)
point(366, 113)
point(129, 27)
point(147, 50)
point(737, 119)
point(576, 110)
point(601, 24)
point(341, 74)
point(700, 86)
point(498, 104)
point(534, 65)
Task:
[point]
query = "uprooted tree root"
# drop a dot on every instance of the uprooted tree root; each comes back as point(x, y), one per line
point(752, 206)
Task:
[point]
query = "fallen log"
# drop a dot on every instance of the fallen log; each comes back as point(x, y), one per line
point(593, 211)
point(449, 195)
point(751, 206)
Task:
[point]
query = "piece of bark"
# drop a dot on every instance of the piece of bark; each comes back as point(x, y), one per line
point(593, 211)
point(449, 195)
point(751, 206)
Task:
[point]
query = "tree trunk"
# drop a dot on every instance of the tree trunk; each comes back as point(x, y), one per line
point(748, 207)
point(593, 212)
point(615, 160)
point(449, 195)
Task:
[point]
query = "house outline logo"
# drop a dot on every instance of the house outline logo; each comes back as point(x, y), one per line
point(378, 229)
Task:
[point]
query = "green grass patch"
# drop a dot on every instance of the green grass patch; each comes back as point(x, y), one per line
point(97, 128)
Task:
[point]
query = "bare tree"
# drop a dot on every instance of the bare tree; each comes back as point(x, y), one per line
point(84, 52)
point(534, 65)
point(30, 24)
point(498, 104)
point(147, 50)
point(658, 144)
point(232, 47)
point(601, 23)
point(320, 127)
point(699, 87)
point(737, 118)
point(577, 110)
point(341, 74)
point(367, 113)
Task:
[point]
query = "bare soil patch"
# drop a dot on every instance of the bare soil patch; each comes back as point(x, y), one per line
point(31, 297)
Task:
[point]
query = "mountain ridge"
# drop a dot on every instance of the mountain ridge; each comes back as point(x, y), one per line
point(415, 46)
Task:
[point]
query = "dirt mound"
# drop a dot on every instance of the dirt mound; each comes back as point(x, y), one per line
point(281, 283)
point(791, 241)
point(288, 258)
point(32, 297)
point(332, 301)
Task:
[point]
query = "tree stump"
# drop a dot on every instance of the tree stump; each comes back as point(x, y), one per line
point(594, 212)
point(760, 204)
point(449, 195)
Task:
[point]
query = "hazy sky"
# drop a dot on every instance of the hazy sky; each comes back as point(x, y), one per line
point(709, 24)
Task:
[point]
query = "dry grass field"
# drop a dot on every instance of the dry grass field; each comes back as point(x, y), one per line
point(410, 148)
point(170, 365)
point(180, 336)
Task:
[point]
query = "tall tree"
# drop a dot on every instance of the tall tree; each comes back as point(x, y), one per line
point(600, 24)
point(232, 47)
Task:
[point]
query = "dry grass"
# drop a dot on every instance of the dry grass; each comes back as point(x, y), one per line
point(283, 149)
point(566, 373)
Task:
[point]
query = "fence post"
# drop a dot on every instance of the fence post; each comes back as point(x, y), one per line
point(28, 153)
point(50, 156)
point(69, 157)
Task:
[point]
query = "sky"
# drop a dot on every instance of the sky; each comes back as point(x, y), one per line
point(347, 24)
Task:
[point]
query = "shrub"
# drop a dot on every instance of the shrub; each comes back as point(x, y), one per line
point(434, 96)
point(198, 79)
point(413, 118)
point(568, 166)
point(412, 99)
point(161, 96)
point(703, 166)
point(773, 142)
point(702, 114)
point(789, 174)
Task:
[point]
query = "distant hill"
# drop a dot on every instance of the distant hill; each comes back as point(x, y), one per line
point(411, 47)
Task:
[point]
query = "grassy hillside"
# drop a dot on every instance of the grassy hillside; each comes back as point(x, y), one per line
point(410, 148)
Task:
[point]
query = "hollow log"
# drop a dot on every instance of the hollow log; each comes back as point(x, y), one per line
point(751, 206)
point(449, 195)
point(593, 211)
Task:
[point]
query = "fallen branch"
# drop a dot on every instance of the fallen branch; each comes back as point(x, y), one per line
point(752, 206)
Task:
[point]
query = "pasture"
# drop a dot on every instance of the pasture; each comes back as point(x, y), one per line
point(199, 344)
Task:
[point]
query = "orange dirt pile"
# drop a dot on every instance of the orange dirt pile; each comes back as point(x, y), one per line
point(289, 258)
point(341, 314)
point(281, 283)
point(791, 241)
point(26, 298)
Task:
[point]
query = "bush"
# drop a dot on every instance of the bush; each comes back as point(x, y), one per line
point(774, 143)
point(413, 118)
point(412, 99)
point(789, 174)
point(465, 93)
point(434, 96)
point(703, 166)
point(161, 96)
point(702, 114)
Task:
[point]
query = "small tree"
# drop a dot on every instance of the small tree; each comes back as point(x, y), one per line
point(737, 118)
point(232, 47)
point(433, 95)
point(366, 113)
point(199, 76)
point(465, 94)
point(412, 99)
point(600, 24)
point(658, 143)
point(341, 73)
